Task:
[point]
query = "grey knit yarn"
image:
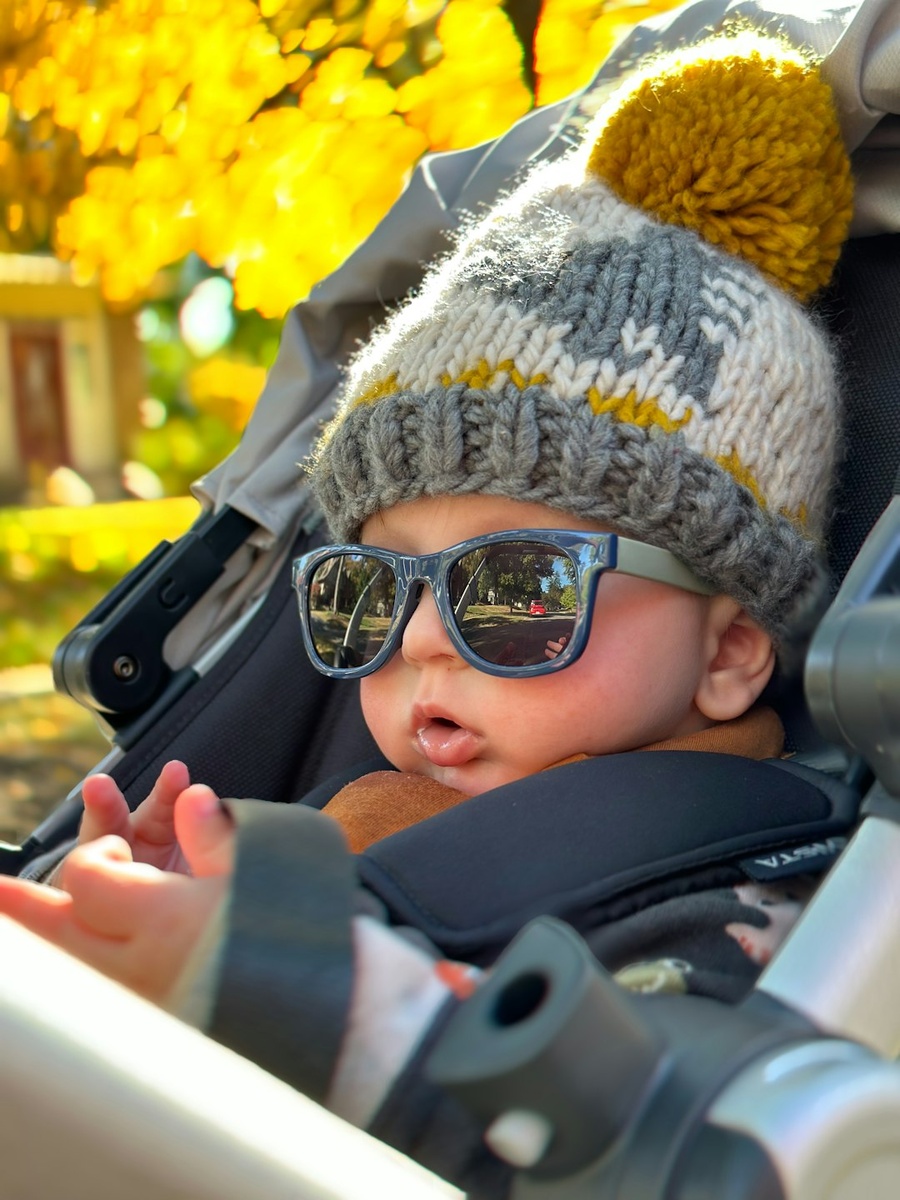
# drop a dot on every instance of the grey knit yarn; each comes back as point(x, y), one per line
point(575, 352)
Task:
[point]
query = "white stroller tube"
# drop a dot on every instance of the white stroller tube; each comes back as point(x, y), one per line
point(104, 1096)
point(840, 966)
point(828, 1115)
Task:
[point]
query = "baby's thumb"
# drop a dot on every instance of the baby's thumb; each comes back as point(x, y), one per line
point(205, 832)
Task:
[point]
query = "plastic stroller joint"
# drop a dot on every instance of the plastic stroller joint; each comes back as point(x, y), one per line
point(852, 675)
point(112, 662)
point(662, 1097)
point(619, 1082)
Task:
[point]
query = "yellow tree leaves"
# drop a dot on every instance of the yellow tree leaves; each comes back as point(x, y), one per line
point(300, 194)
point(41, 168)
point(267, 136)
point(476, 86)
point(575, 36)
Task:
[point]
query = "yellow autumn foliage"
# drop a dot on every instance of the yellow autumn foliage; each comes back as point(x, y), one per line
point(228, 388)
point(267, 136)
point(477, 84)
point(575, 36)
point(115, 536)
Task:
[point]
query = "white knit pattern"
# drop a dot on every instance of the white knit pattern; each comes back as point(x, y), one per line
point(771, 364)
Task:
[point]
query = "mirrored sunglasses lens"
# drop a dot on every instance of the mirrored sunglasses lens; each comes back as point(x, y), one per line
point(514, 602)
point(351, 601)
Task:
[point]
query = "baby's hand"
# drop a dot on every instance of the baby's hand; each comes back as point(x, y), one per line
point(554, 649)
point(149, 830)
point(132, 921)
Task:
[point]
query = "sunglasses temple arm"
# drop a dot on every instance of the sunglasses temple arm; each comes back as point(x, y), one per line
point(651, 562)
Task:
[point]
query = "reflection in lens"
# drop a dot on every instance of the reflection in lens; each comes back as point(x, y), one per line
point(514, 602)
point(351, 601)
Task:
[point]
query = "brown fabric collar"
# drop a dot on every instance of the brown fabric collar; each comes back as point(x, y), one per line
point(384, 802)
point(757, 734)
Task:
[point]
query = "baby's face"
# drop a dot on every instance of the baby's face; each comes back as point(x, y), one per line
point(432, 713)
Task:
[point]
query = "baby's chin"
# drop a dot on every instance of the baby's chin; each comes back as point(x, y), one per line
point(472, 778)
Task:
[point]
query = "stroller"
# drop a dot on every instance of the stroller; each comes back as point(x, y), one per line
point(205, 631)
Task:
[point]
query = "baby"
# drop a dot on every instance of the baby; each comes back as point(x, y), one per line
point(610, 392)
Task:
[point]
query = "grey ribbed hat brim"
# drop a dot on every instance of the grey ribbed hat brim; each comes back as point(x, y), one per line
point(530, 445)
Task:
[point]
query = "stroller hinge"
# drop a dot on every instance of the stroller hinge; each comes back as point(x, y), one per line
point(112, 662)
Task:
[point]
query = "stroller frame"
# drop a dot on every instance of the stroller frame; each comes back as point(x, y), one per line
point(234, 560)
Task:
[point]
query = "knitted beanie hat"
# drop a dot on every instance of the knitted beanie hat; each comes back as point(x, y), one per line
point(623, 337)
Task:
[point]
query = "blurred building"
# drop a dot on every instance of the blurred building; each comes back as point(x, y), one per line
point(71, 378)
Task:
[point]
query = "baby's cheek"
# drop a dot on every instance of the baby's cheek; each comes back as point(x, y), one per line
point(383, 711)
point(374, 708)
point(545, 725)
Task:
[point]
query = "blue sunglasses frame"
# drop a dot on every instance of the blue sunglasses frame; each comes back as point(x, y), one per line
point(591, 553)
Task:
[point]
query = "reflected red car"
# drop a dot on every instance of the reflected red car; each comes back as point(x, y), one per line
point(536, 609)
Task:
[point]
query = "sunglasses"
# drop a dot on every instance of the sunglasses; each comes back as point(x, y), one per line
point(514, 604)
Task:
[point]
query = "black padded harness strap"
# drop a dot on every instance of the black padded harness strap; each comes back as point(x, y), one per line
point(590, 832)
point(287, 976)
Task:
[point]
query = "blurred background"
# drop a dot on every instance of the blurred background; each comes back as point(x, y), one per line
point(174, 176)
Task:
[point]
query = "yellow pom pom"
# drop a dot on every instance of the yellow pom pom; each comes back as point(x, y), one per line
point(738, 140)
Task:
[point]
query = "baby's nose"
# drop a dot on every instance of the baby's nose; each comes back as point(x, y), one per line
point(425, 637)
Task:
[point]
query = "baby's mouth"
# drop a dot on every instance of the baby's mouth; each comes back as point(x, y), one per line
point(444, 743)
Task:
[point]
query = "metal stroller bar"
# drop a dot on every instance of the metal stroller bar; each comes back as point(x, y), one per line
point(853, 689)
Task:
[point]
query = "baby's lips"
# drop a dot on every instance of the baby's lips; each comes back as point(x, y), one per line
point(445, 744)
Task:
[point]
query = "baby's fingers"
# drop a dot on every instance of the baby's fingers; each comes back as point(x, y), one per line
point(554, 649)
point(153, 820)
point(105, 809)
point(51, 914)
point(205, 832)
point(110, 892)
point(136, 924)
point(43, 910)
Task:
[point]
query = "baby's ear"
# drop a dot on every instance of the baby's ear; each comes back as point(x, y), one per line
point(740, 662)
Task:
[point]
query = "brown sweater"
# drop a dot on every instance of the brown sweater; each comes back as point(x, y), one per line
point(384, 802)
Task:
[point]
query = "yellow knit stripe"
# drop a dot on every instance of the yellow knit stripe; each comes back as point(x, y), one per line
point(625, 408)
point(632, 411)
point(799, 516)
point(378, 390)
point(519, 381)
point(736, 469)
point(483, 375)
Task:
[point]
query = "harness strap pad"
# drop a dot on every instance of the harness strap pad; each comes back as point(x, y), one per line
point(589, 833)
